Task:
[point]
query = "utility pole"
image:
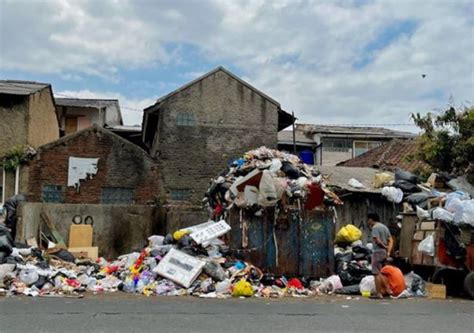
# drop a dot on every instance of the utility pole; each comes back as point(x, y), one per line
point(294, 133)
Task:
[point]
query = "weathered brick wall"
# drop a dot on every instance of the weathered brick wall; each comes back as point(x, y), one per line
point(230, 119)
point(121, 164)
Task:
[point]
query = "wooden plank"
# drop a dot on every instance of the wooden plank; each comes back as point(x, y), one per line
point(54, 232)
point(406, 234)
point(431, 225)
point(91, 252)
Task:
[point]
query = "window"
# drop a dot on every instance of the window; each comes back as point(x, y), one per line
point(52, 193)
point(185, 119)
point(180, 195)
point(117, 195)
point(337, 145)
point(361, 147)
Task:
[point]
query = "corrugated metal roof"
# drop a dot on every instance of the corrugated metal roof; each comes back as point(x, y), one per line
point(21, 88)
point(394, 154)
point(340, 176)
point(353, 130)
point(286, 137)
point(86, 102)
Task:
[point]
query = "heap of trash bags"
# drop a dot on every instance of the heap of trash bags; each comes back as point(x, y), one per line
point(456, 206)
point(353, 274)
point(178, 264)
point(265, 177)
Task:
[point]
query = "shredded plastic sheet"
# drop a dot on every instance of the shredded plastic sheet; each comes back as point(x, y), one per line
point(80, 169)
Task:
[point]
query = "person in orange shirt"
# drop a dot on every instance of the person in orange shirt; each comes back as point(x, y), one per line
point(393, 282)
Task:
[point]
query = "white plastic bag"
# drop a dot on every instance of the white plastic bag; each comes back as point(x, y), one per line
point(276, 165)
point(392, 194)
point(422, 214)
point(355, 183)
point(427, 246)
point(367, 284)
point(443, 214)
point(29, 275)
point(466, 213)
point(155, 240)
point(453, 205)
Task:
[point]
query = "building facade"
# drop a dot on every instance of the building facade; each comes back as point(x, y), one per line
point(198, 129)
point(330, 145)
point(92, 166)
point(75, 114)
point(28, 118)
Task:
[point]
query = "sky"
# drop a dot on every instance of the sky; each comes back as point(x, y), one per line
point(331, 62)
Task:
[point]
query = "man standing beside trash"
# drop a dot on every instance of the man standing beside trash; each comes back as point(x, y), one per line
point(382, 245)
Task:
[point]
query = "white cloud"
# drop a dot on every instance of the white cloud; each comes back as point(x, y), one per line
point(302, 53)
point(132, 109)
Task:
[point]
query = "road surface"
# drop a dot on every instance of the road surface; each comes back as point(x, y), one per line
point(130, 313)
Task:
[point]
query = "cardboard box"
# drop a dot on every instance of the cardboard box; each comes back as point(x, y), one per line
point(91, 252)
point(428, 226)
point(437, 291)
point(80, 235)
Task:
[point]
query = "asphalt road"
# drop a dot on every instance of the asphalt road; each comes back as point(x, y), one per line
point(129, 313)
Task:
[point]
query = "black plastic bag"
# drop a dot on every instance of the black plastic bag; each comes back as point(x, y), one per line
point(406, 186)
point(290, 171)
point(405, 175)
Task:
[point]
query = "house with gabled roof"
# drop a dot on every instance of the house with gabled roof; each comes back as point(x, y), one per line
point(27, 119)
point(198, 129)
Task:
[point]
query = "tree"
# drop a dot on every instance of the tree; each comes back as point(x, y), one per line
point(447, 142)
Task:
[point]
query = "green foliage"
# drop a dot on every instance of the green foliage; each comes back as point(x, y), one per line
point(447, 142)
point(16, 156)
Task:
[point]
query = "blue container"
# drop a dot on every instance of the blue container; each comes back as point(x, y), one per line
point(307, 156)
point(298, 244)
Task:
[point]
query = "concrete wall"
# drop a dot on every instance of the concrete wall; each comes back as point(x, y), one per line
point(178, 219)
point(230, 119)
point(121, 165)
point(43, 124)
point(118, 229)
point(13, 122)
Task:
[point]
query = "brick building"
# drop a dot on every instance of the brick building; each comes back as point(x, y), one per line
point(92, 166)
point(196, 130)
point(27, 118)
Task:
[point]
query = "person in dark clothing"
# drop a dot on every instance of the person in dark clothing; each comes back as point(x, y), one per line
point(382, 245)
point(11, 206)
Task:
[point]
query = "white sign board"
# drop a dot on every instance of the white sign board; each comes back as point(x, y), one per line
point(211, 231)
point(179, 267)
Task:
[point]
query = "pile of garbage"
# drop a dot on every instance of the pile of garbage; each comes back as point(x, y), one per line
point(191, 261)
point(265, 177)
point(454, 204)
point(354, 271)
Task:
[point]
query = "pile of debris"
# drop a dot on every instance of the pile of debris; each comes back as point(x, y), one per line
point(267, 178)
point(354, 271)
point(191, 261)
point(440, 198)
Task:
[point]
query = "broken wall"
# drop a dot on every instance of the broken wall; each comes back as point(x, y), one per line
point(121, 167)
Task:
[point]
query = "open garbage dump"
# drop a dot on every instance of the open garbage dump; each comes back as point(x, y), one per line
point(190, 261)
point(267, 178)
